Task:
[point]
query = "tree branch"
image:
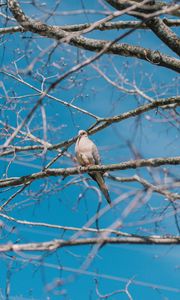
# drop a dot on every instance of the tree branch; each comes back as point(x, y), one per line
point(134, 164)
point(65, 228)
point(106, 26)
point(158, 189)
point(173, 101)
point(155, 24)
point(165, 34)
point(133, 113)
point(56, 244)
point(154, 57)
point(146, 9)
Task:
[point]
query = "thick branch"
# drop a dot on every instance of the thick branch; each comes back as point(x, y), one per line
point(139, 163)
point(92, 44)
point(102, 27)
point(156, 24)
point(154, 57)
point(55, 244)
point(165, 34)
point(146, 9)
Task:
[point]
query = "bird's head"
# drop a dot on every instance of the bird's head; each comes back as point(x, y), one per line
point(82, 133)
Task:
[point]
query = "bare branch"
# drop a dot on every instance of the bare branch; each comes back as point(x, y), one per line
point(55, 244)
point(156, 24)
point(165, 34)
point(95, 127)
point(153, 162)
point(108, 121)
point(65, 228)
point(149, 8)
point(158, 189)
point(41, 93)
point(106, 26)
point(92, 44)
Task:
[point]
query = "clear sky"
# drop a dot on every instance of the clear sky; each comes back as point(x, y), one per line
point(151, 271)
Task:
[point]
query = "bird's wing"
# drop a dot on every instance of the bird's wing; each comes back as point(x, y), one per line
point(95, 154)
point(84, 152)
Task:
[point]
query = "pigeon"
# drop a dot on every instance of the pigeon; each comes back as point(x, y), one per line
point(87, 155)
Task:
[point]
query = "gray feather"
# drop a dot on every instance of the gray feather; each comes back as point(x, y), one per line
point(98, 177)
point(87, 155)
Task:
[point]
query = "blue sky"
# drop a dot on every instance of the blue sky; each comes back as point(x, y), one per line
point(154, 270)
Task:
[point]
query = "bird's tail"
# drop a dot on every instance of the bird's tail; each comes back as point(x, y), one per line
point(97, 176)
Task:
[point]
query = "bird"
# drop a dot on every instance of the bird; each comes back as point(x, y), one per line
point(87, 155)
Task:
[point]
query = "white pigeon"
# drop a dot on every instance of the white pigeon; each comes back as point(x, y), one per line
point(87, 155)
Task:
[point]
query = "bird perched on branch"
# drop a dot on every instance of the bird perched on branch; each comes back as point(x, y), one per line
point(87, 155)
